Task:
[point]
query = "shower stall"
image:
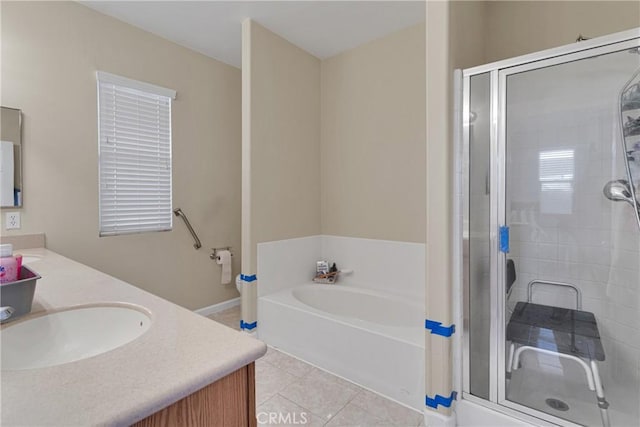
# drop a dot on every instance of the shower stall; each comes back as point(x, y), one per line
point(548, 166)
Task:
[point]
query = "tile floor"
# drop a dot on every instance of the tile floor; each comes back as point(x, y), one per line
point(229, 317)
point(292, 392)
point(550, 377)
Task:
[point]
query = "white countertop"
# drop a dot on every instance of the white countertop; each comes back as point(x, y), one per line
point(180, 353)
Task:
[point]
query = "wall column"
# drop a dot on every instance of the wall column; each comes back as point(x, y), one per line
point(438, 349)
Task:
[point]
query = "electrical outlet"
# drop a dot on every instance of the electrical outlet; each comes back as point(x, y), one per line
point(12, 220)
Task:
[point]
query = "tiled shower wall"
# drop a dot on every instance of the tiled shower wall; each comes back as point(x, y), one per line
point(565, 229)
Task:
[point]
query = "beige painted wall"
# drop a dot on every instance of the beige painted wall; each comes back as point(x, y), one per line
point(519, 27)
point(285, 139)
point(280, 146)
point(467, 33)
point(373, 139)
point(50, 52)
point(438, 374)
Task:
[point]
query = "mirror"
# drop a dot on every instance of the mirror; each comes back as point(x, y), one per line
point(10, 157)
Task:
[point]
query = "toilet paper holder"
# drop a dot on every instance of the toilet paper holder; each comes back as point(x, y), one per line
point(214, 253)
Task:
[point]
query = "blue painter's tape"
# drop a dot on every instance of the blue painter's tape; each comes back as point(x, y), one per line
point(441, 400)
point(249, 326)
point(436, 328)
point(251, 278)
point(504, 239)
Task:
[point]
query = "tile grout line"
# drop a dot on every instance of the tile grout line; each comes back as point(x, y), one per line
point(311, 412)
point(411, 410)
point(346, 404)
point(280, 389)
point(333, 377)
point(309, 371)
point(305, 409)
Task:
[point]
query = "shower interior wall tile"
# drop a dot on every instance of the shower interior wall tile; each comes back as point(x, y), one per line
point(585, 240)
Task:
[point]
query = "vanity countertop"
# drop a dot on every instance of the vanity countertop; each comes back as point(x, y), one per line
point(179, 354)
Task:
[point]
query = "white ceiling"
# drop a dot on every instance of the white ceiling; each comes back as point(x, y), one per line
point(322, 28)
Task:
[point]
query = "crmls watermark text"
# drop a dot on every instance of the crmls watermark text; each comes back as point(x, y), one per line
point(289, 418)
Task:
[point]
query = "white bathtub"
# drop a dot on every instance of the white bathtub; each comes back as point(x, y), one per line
point(371, 338)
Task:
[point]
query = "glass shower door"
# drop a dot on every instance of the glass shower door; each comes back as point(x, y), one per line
point(570, 277)
point(477, 237)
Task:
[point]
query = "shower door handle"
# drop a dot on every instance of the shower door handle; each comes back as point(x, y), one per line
point(504, 239)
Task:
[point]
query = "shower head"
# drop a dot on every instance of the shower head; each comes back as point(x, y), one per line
point(618, 191)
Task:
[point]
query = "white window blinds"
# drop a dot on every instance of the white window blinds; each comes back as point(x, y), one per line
point(134, 133)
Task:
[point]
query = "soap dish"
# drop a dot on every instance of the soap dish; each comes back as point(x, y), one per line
point(327, 279)
point(19, 294)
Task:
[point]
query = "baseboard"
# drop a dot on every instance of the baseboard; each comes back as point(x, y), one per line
point(215, 308)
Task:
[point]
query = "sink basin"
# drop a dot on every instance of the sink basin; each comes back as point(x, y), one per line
point(70, 335)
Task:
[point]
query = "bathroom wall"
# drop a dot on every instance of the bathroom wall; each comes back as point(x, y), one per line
point(467, 28)
point(331, 145)
point(281, 143)
point(373, 139)
point(519, 27)
point(369, 132)
point(50, 53)
point(354, 154)
point(280, 147)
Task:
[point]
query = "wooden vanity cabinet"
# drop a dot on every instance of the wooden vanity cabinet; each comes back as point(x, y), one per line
point(228, 402)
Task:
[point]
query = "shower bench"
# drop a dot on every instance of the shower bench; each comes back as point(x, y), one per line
point(562, 332)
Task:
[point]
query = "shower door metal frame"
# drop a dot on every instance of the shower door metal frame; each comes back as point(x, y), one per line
point(499, 71)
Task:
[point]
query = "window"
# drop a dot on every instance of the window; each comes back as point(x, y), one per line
point(556, 171)
point(134, 140)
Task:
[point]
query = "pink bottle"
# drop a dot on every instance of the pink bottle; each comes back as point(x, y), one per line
point(9, 268)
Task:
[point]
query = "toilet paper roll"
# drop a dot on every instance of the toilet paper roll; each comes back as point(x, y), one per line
point(224, 259)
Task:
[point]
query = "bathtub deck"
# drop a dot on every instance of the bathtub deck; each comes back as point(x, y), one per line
point(288, 386)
